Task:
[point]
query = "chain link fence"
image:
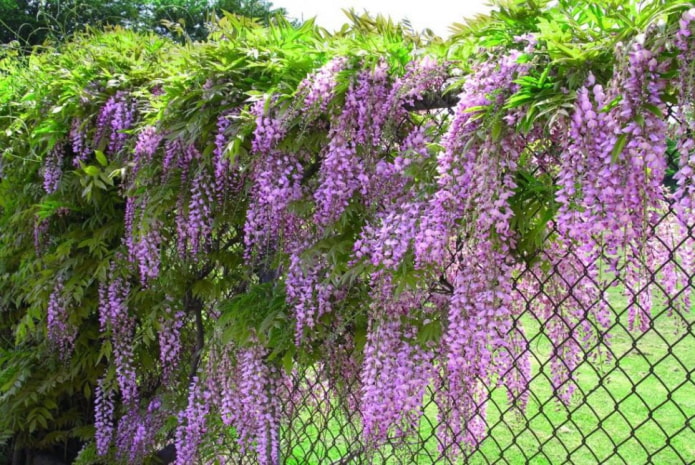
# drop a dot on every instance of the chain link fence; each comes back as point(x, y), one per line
point(627, 395)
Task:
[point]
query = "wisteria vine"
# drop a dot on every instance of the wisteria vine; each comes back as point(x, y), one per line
point(365, 209)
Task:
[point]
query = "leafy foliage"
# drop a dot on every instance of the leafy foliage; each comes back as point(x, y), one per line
point(221, 212)
point(32, 22)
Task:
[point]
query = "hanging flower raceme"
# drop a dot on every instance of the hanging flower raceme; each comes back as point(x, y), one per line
point(143, 240)
point(318, 89)
point(145, 148)
point(257, 388)
point(221, 164)
point(53, 168)
point(476, 181)
point(194, 212)
point(276, 181)
point(135, 434)
point(61, 332)
point(469, 173)
point(391, 190)
point(192, 424)
point(342, 170)
point(684, 196)
point(612, 173)
point(396, 371)
point(170, 326)
point(114, 317)
point(386, 240)
point(104, 407)
point(80, 146)
point(199, 224)
point(115, 117)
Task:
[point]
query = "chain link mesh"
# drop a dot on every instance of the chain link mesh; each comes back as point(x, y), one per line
point(634, 395)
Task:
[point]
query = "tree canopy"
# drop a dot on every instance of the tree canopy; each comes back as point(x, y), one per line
point(181, 225)
point(32, 22)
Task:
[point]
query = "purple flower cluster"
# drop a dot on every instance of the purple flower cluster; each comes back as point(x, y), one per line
point(248, 394)
point(220, 161)
point(147, 254)
point(103, 417)
point(343, 171)
point(113, 316)
point(612, 172)
point(475, 182)
point(115, 118)
point(684, 196)
point(145, 147)
point(475, 343)
point(61, 333)
point(269, 130)
point(276, 179)
point(618, 189)
point(173, 150)
point(135, 434)
point(194, 212)
point(142, 240)
point(192, 424)
point(308, 292)
point(385, 240)
point(53, 168)
point(319, 87)
point(222, 382)
point(256, 388)
point(422, 76)
point(199, 222)
point(472, 178)
point(395, 373)
point(170, 324)
point(80, 147)
point(277, 183)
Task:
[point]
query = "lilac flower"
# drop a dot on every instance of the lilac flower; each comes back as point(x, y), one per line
point(192, 424)
point(115, 117)
point(171, 324)
point(61, 333)
point(145, 148)
point(53, 168)
point(395, 373)
point(220, 162)
point(319, 87)
point(80, 147)
point(113, 316)
point(103, 418)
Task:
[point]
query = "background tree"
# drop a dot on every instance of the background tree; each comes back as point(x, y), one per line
point(33, 21)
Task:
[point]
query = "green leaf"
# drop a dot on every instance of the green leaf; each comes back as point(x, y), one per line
point(654, 110)
point(92, 170)
point(618, 147)
point(101, 158)
point(496, 130)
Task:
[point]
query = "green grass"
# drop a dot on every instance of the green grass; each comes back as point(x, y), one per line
point(636, 408)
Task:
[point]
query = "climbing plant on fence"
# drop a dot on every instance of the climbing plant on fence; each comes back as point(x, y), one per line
point(183, 229)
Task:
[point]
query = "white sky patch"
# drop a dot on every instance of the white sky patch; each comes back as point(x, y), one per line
point(437, 15)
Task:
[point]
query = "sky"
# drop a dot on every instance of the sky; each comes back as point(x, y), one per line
point(437, 15)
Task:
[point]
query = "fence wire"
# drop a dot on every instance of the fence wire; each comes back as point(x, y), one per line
point(633, 397)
